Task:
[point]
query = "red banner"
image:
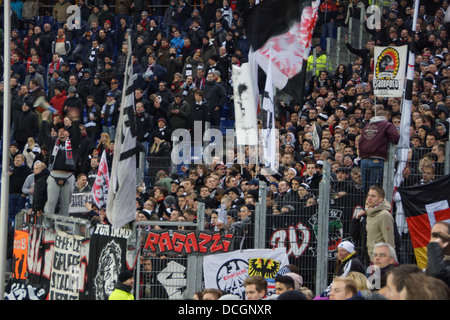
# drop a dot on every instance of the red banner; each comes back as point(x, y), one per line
point(187, 242)
point(20, 253)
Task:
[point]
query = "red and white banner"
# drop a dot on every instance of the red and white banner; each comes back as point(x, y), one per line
point(101, 184)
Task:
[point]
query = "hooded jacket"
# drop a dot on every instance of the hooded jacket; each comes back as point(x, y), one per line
point(40, 190)
point(121, 292)
point(438, 263)
point(350, 263)
point(375, 138)
point(27, 125)
point(380, 226)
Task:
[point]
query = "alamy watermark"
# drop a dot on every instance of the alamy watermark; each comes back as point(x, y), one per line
point(210, 146)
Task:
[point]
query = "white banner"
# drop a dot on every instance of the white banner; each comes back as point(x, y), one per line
point(227, 271)
point(65, 279)
point(78, 202)
point(121, 206)
point(390, 71)
point(244, 106)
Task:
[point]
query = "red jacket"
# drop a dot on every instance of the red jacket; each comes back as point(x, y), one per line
point(375, 138)
point(57, 101)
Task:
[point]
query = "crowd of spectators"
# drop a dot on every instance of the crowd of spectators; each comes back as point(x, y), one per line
point(182, 62)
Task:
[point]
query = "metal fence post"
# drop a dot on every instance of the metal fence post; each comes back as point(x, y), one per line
point(141, 170)
point(388, 172)
point(260, 217)
point(194, 271)
point(361, 26)
point(138, 264)
point(322, 230)
point(447, 158)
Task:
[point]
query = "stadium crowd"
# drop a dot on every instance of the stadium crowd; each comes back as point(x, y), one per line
point(182, 61)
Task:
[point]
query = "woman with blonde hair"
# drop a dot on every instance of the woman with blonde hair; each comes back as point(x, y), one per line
point(361, 282)
point(104, 143)
point(30, 151)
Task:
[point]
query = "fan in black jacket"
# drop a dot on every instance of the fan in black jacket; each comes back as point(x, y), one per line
point(41, 174)
point(438, 252)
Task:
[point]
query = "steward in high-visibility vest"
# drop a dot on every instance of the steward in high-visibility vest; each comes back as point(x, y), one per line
point(321, 61)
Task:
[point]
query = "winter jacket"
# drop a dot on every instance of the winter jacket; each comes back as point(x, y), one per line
point(57, 101)
point(121, 292)
point(27, 126)
point(99, 92)
point(60, 11)
point(144, 125)
point(85, 88)
point(110, 114)
point(40, 190)
point(170, 17)
point(178, 120)
point(215, 94)
point(375, 138)
point(380, 226)
point(199, 112)
point(123, 7)
point(438, 264)
point(73, 102)
point(350, 263)
point(18, 177)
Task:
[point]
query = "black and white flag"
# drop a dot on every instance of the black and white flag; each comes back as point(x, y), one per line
point(121, 206)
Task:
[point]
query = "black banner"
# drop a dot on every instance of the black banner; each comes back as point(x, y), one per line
point(107, 258)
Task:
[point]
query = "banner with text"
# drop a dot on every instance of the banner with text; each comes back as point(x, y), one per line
point(67, 277)
point(107, 258)
point(390, 71)
point(187, 242)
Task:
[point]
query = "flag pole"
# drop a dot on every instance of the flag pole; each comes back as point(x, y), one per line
point(6, 137)
point(403, 144)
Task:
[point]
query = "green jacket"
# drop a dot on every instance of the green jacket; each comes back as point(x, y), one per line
point(380, 226)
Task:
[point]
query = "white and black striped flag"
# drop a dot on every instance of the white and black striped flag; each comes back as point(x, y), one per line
point(121, 207)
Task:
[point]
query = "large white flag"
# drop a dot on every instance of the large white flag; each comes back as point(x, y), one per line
point(121, 207)
point(101, 184)
point(244, 105)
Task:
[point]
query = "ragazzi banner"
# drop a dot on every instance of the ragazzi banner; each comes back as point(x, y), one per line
point(187, 242)
point(390, 71)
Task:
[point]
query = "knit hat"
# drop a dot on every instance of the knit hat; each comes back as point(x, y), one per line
point(347, 245)
point(125, 275)
point(170, 201)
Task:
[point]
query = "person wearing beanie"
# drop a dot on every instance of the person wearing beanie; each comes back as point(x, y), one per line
point(123, 287)
point(347, 259)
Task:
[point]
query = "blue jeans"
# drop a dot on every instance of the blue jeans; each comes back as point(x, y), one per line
point(111, 130)
point(371, 172)
point(16, 203)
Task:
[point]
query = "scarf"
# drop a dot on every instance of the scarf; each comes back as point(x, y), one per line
point(52, 68)
point(69, 154)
